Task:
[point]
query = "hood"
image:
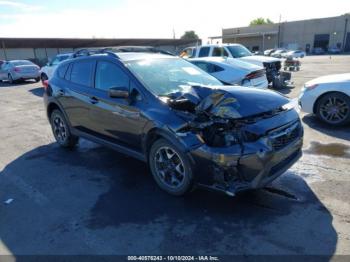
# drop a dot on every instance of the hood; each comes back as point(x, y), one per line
point(229, 102)
point(330, 79)
point(258, 59)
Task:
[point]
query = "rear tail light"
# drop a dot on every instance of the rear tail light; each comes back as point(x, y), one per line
point(255, 74)
point(46, 84)
point(16, 69)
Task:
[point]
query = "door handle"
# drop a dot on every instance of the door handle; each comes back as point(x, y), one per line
point(93, 100)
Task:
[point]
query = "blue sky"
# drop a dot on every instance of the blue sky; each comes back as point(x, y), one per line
point(148, 18)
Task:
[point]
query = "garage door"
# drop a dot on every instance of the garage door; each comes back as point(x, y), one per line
point(321, 40)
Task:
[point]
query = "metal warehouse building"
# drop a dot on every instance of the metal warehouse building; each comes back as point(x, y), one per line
point(39, 50)
point(305, 35)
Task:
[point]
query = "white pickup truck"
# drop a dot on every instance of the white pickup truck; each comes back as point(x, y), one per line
point(237, 51)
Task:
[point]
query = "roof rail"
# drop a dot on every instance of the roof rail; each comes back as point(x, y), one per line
point(89, 52)
point(140, 49)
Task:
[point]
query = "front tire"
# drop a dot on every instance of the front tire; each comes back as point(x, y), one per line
point(170, 167)
point(37, 79)
point(61, 131)
point(334, 109)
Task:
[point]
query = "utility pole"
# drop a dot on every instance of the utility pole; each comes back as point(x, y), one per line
point(279, 32)
point(345, 33)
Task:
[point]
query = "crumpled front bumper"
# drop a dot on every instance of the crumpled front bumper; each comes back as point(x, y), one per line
point(237, 168)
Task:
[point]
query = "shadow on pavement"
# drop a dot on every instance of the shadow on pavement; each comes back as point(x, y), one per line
point(39, 91)
point(114, 198)
point(339, 132)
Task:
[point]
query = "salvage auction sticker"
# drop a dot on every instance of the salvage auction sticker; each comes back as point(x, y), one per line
point(173, 258)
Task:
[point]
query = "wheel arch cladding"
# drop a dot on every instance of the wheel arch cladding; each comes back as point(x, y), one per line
point(157, 133)
point(51, 107)
point(323, 95)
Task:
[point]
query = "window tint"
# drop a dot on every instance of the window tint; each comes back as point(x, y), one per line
point(82, 72)
point(61, 71)
point(204, 51)
point(219, 51)
point(110, 75)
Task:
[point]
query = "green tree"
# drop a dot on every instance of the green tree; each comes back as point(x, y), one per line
point(190, 35)
point(261, 21)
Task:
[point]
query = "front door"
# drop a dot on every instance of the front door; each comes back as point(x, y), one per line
point(117, 119)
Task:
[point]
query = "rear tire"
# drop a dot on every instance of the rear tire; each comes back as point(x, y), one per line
point(61, 130)
point(170, 167)
point(334, 109)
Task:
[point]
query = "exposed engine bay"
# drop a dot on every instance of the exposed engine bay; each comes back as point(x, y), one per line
point(215, 115)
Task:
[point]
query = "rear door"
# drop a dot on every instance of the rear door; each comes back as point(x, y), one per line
point(117, 119)
point(75, 92)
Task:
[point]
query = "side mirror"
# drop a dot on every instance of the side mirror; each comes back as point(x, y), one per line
point(118, 92)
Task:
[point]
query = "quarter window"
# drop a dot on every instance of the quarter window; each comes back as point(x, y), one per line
point(81, 73)
point(204, 52)
point(109, 75)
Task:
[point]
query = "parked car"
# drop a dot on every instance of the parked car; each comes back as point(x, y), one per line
point(318, 51)
point(279, 53)
point(329, 98)
point(47, 71)
point(294, 54)
point(239, 52)
point(334, 50)
point(189, 127)
point(268, 52)
point(16, 70)
point(232, 71)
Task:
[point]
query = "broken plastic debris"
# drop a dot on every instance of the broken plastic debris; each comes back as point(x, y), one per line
point(8, 201)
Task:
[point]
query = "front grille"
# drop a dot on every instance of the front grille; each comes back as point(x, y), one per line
point(283, 137)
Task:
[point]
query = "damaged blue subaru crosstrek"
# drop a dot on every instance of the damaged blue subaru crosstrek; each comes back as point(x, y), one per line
point(190, 128)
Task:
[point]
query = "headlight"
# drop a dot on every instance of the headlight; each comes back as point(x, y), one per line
point(293, 104)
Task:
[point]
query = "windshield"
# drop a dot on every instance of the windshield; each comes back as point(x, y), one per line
point(164, 76)
point(238, 51)
point(21, 62)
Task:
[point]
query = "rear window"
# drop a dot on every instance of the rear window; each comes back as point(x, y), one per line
point(204, 52)
point(82, 72)
point(22, 62)
point(208, 67)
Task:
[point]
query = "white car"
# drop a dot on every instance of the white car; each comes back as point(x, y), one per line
point(328, 97)
point(294, 54)
point(236, 51)
point(47, 71)
point(232, 71)
point(279, 53)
